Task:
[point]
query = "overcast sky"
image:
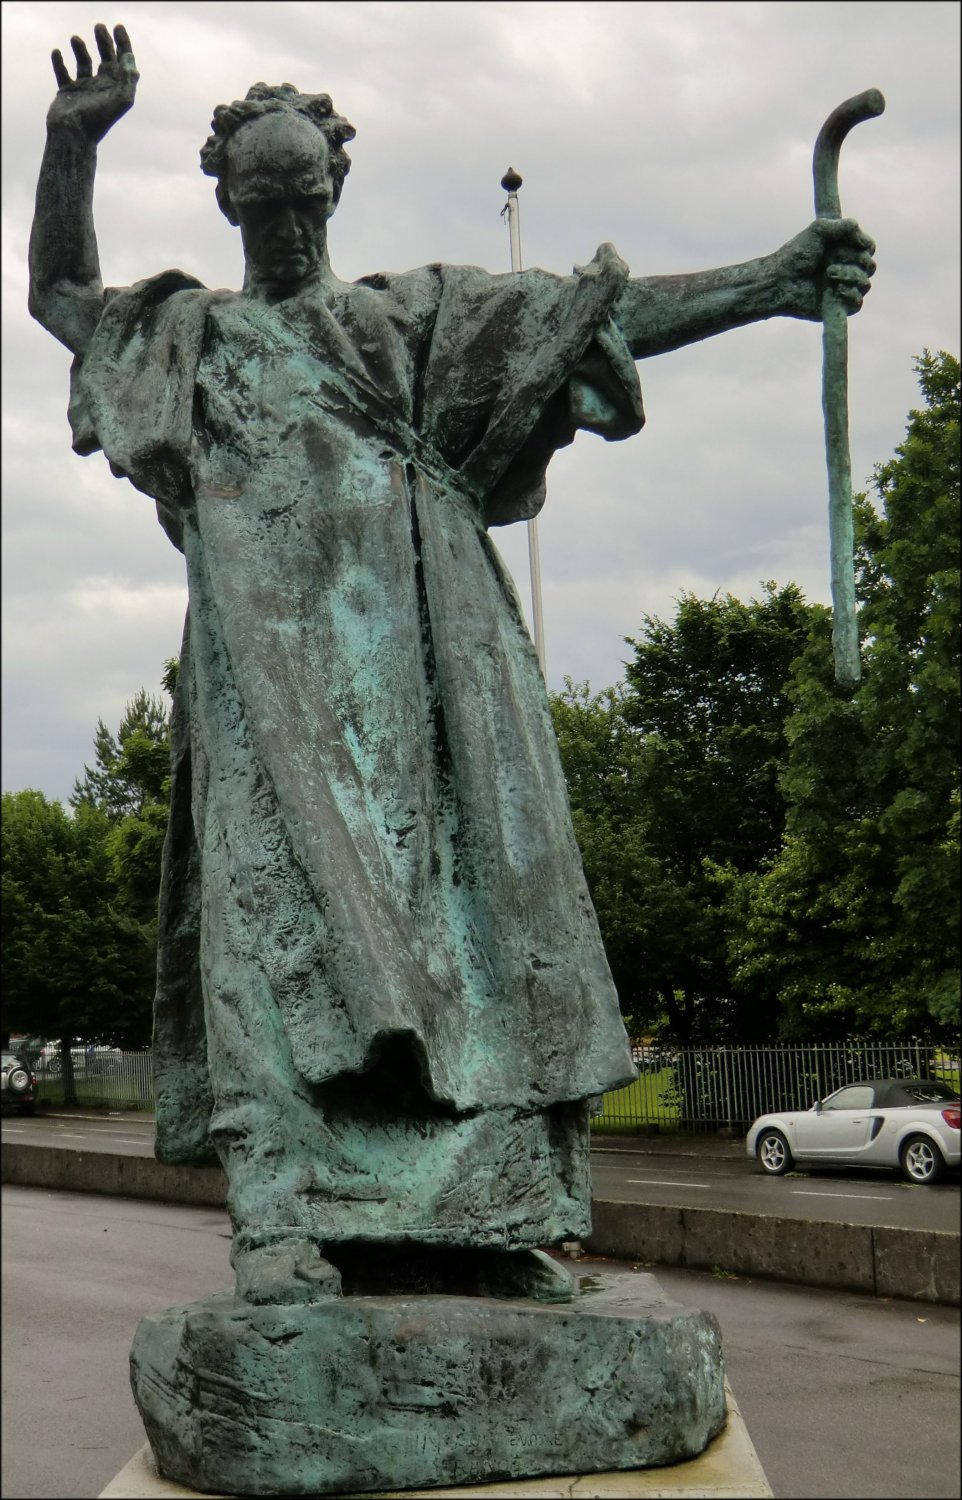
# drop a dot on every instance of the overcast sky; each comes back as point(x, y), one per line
point(681, 132)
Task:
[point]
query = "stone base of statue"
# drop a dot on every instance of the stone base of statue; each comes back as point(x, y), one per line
point(399, 1392)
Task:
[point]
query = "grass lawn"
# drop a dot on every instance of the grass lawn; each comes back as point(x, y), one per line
point(641, 1103)
point(99, 1093)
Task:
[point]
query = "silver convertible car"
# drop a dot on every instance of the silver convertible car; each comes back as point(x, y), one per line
point(907, 1123)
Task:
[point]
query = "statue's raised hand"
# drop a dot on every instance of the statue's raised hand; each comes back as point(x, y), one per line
point(93, 102)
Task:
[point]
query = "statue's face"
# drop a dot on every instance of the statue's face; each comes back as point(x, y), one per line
point(280, 186)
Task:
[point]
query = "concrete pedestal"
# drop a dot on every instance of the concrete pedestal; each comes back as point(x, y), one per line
point(379, 1393)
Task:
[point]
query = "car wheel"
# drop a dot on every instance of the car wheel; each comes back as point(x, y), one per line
point(18, 1080)
point(773, 1153)
point(922, 1161)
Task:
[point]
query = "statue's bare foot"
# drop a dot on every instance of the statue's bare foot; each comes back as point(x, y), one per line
point(285, 1271)
point(525, 1273)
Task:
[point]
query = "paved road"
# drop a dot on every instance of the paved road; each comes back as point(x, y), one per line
point(717, 1174)
point(844, 1396)
point(132, 1137)
point(849, 1197)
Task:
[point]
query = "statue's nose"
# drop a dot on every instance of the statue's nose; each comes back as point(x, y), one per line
point(287, 226)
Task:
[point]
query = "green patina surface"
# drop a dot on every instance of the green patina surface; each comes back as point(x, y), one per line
point(382, 993)
point(370, 1393)
point(848, 668)
point(388, 999)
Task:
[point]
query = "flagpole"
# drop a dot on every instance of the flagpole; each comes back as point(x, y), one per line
point(511, 181)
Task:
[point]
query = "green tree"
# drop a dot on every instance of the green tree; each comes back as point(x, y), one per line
point(671, 775)
point(910, 703)
point(130, 785)
point(81, 889)
point(599, 752)
point(855, 924)
point(71, 962)
point(130, 767)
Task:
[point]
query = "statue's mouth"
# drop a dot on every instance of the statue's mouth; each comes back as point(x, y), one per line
point(290, 262)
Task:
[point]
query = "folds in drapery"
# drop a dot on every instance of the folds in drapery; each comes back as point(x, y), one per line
point(363, 752)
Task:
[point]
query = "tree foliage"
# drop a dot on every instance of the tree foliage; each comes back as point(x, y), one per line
point(72, 964)
point(129, 784)
point(856, 924)
point(671, 774)
point(132, 766)
point(80, 889)
point(769, 854)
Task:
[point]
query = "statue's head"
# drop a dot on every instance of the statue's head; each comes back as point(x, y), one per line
point(275, 132)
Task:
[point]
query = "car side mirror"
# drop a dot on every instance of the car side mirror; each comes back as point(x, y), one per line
point(817, 1106)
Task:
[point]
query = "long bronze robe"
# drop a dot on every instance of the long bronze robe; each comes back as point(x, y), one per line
point(370, 868)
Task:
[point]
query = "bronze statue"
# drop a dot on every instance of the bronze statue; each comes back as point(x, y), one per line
point(382, 993)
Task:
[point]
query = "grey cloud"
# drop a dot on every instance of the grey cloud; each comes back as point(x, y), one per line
point(683, 133)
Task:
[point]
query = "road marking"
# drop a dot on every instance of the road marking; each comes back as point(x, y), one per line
point(666, 1182)
point(13, 1130)
point(74, 1135)
point(131, 1140)
point(869, 1197)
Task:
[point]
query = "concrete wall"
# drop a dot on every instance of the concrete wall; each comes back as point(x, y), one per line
point(910, 1263)
point(111, 1173)
point(914, 1263)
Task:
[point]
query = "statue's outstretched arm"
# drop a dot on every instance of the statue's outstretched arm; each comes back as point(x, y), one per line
point(658, 313)
point(66, 292)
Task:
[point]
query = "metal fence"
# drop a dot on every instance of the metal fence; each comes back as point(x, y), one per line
point(689, 1089)
point(103, 1077)
point(713, 1088)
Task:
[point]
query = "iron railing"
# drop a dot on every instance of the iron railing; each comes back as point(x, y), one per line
point(684, 1089)
point(102, 1076)
point(714, 1088)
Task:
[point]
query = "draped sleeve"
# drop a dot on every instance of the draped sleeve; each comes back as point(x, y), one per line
point(509, 368)
point(361, 708)
point(516, 365)
point(132, 393)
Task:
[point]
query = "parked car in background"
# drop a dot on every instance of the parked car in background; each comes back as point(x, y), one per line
point(649, 1057)
point(19, 1084)
point(89, 1060)
point(911, 1124)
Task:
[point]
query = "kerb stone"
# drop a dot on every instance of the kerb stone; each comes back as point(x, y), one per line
point(916, 1263)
